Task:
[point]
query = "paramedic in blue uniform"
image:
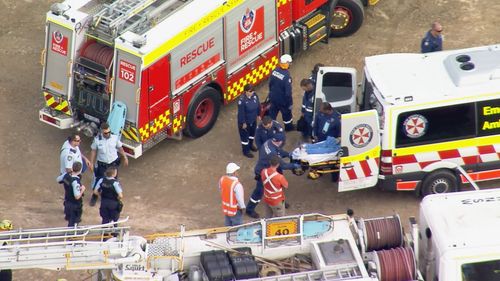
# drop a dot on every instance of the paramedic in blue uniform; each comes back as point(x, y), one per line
point(111, 194)
point(270, 148)
point(433, 40)
point(280, 92)
point(105, 147)
point(327, 123)
point(307, 86)
point(70, 153)
point(248, 113)
point(73, 193)
point(266, 129)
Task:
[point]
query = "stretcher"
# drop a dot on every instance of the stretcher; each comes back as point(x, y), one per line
point(318, 158)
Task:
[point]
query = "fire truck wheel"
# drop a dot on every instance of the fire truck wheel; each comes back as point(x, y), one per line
point(202, 113)
point(440, 181)
point(347, 18)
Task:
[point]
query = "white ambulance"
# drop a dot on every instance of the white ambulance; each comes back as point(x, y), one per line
point(423, 116)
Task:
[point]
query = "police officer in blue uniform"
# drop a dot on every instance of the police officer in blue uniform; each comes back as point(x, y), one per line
point(73, 193)
point(111, 196)
point(433, 40)
point(70, 153)
point(266, 129)
point(106, 147)
point(248, 113)
point(280, 92)
point(307, 105)
point(271, 147)
point(327, 123)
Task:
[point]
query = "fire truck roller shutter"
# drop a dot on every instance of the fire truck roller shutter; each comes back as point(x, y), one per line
point(202, 112)
point(439, 181)
point(346, 18)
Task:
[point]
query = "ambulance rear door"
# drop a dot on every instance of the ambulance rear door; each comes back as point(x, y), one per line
point(360, 141)
point(338, 86)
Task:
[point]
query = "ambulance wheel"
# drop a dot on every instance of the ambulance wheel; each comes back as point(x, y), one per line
point(347, 18)
point(6, 275)
point(202, 112)
point(439, 182)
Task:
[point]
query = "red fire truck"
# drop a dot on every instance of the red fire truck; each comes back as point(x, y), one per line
point(155, 69)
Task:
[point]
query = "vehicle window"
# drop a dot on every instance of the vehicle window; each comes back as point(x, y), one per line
point(438, 124)
point(481, 271)
point(488, 115)
point(337, 86)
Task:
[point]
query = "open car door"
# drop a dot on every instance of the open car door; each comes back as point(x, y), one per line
point(360, 140)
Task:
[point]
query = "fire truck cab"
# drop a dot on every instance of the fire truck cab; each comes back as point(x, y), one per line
point(424, 117)
point(156, 68)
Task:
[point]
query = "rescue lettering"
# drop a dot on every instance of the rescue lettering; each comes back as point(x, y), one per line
point(127, 71)
point(491, 125)
point(198, 51)
point(488, 110)
point(250, 40)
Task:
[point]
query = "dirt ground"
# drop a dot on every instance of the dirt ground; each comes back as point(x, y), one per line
point(176, 182)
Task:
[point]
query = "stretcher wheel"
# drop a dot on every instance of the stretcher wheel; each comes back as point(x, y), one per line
point(313, 175)
point(298, 172)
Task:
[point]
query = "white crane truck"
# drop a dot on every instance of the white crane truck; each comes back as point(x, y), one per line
point(456, 239)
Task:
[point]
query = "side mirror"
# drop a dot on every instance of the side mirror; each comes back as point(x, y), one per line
point(344, 151)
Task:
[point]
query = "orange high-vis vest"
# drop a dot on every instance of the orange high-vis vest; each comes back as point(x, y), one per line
point(273, 186)
point(229, 202)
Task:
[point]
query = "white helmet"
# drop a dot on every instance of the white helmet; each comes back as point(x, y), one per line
point(286, 58)
point(231, 168)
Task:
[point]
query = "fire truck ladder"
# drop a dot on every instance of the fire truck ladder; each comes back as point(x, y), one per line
point(71, 248)
point(112, 19)
point(123, 15)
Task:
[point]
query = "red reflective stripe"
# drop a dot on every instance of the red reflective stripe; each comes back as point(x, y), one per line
point(351, 173)
point(366, 168)
point(404, 159)
point(406, 185)
point(485, 149)
point(424, 164)
point(482, 176)
point(447, 154)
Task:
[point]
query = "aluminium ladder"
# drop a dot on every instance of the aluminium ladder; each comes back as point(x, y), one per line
point(70, 248)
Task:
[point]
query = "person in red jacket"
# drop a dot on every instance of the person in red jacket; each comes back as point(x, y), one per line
point(274, 183)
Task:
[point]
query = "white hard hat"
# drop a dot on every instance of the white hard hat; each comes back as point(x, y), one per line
point(231, 168)
point(286, 58)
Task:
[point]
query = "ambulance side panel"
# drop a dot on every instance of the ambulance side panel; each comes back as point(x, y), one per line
point(360, 140)
point(250, 29)
point(429, 138)
point(197, 56)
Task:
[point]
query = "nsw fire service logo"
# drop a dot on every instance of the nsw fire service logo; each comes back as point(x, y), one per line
point(59, 43)
point(415, 126)
point(250, 30)
point(361, 135)
point(246, 22)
